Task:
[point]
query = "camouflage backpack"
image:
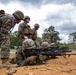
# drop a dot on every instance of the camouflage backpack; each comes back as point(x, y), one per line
point(2, 13)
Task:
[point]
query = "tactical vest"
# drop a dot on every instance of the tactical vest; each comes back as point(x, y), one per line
point(25, 31)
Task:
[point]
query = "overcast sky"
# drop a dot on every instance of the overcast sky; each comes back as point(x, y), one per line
point(59, 13)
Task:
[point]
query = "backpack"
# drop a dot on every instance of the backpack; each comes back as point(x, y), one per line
point(2, 13)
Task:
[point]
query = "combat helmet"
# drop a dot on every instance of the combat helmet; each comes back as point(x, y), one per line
point(45, 45)
point(2, 11)
point(36, 25)
point(18, 15)
point(28, 44)
point(26, 17)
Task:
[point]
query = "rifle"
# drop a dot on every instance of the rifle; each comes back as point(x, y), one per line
point(55, 51)
point(50, 51)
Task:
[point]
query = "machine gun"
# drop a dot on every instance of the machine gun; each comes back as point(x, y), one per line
point(52, 51)
point(55, 51)
point(22, 54)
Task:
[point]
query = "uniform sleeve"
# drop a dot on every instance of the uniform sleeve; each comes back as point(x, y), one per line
point(7, 26)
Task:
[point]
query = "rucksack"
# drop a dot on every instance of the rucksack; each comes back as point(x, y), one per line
point(2, 13)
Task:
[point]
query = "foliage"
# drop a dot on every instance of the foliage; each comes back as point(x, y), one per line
point(15, 40)
point(53, 35)
point(70, 46)
point(39, 40)
point(72, 37)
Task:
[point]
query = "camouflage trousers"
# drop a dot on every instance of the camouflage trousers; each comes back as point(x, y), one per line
point(43, 57)
point(5, 45)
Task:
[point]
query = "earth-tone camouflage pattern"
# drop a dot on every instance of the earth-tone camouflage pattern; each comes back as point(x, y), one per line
point(22, 61)
point(31, 60)
point(43, 57)
point(5, 44)
point(44, 45)
point(36, 27)
point(8, 22)
point(28, 44)
point(35, 34)
point(24, 30)
point(47, 39)
point(18, 15)
point(26, 17)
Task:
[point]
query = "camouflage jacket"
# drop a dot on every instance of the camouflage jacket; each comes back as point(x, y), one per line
point(35, 34)
point(8, 22)
point(24, 30)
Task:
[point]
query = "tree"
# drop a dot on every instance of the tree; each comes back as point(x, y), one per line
point(14, 39)
point(39, 40)
point(53, 35)
point(72, 37)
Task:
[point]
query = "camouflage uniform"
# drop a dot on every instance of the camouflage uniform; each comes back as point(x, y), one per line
point(34, 37)
point(29, 44)
point(47, 39)
point(22, 58)
point(8, 22)
point(44, 45)
point(2, 13)
point(36, 27)
point(24, 30)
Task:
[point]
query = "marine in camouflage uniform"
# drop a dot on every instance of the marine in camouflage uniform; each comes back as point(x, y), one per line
point(8, 22)
point(29, 44)
point(47, 39)
point(36, 27)
point(24, 29)
point(22, 56)
point(44, 45)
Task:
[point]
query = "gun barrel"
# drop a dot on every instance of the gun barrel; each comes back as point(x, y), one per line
point(71, 53)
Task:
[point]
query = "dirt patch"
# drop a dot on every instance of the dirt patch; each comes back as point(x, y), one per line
point(58, 66)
